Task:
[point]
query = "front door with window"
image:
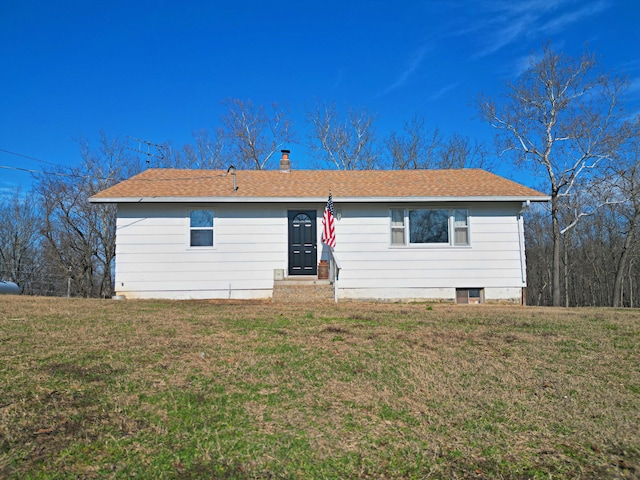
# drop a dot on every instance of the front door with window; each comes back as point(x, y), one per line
point(303, 251)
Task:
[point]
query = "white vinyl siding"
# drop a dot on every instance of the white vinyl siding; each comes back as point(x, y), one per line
point(154, 258)
point(370, 269)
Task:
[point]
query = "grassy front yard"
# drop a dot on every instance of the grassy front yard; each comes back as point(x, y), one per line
point(155, 389)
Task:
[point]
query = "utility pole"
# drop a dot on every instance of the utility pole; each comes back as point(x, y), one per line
point(148, 153)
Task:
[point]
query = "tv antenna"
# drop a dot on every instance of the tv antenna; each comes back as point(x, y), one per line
point(148, 153)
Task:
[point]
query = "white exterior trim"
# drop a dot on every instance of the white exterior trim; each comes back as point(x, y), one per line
point(289, 200)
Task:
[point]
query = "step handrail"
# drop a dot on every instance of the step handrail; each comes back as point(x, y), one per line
point(334, 272)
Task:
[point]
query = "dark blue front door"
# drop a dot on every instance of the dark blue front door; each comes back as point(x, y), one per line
point(303, 251)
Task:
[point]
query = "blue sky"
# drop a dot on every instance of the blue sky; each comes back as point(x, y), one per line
point(159, 70)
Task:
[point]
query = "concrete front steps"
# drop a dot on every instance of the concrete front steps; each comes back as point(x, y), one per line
point(302, 289)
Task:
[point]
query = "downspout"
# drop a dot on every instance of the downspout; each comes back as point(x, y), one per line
point(523, 266)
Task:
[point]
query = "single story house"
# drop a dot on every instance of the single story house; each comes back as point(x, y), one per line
point(433, 235)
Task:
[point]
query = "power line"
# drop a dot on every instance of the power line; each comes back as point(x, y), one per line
point(6, 167)
point(30, 158)
point(89, 177)
point(58, 174)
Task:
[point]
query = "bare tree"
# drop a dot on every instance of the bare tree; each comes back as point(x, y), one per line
point(458, 151)
point(345, 143)
point(253, 133)
point(560, 118)
point(538, 244)
point(414, 147)
point(625, 177)
point(80, 237)
point(66, 231)
point(19, 239)
point(206, 152)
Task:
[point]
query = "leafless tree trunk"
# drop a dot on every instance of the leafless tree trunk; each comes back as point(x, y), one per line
point(626, 179)
point(538, 247)
point(19, 239)
point(458, 151)
point(560, 119)
point(631, 302)
point(81, 236)
point(206, 152)
point(413, 148)
point(417, 148)
point(253, 134)
point(624, 259)
point(566, 272)
point(347, 144)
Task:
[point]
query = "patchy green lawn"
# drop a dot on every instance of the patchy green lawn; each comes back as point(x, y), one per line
point(160, 389)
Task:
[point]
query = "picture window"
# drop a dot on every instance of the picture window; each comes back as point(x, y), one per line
point(429, 226)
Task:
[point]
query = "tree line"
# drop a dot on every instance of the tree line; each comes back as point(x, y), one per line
point(563, 120)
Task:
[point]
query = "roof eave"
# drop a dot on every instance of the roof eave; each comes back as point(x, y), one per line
point(497, 198)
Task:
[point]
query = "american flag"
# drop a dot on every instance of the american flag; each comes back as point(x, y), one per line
point(328, 224)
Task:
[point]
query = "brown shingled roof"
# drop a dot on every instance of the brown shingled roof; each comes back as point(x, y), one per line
point(172, 184)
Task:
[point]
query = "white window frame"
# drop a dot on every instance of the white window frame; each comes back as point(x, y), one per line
point(459, 227)
point(395, 227)
point(201, 228)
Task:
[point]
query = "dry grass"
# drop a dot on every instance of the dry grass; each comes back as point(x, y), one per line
point(106, 389)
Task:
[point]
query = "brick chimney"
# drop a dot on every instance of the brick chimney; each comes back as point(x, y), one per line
point(285, 163)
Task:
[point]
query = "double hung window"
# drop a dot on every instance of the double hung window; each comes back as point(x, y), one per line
point(460, 227)
point(201, 228)
point(429, 226)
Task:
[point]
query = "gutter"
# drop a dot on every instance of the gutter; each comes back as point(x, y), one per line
point(323, 199)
